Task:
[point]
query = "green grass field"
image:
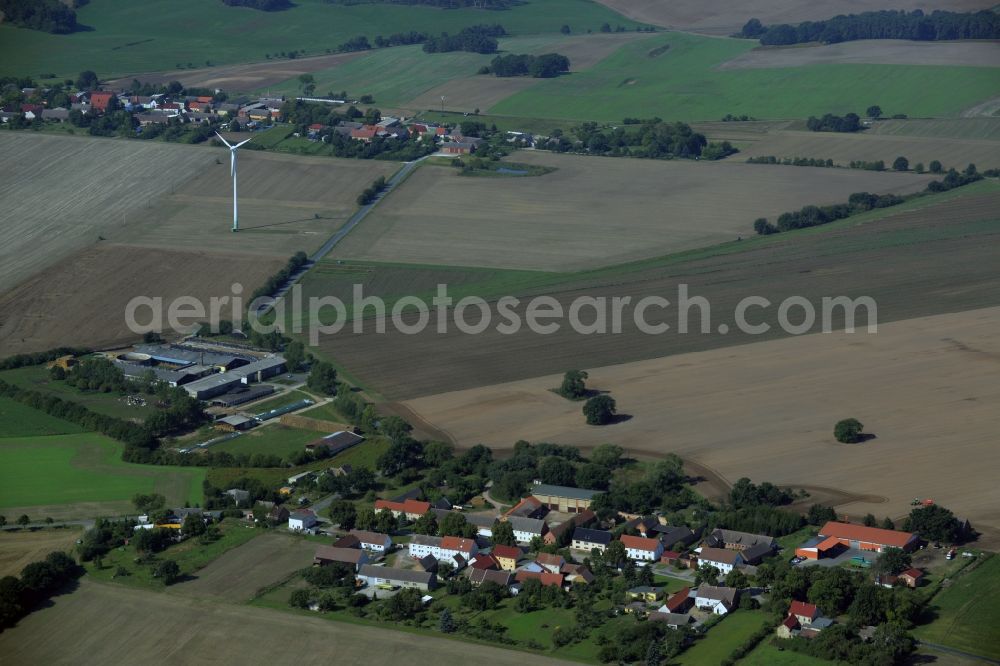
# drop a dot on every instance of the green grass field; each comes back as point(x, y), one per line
point(723, 638)
point(274, 439)
point(767, 654)
point(36, 378)
point(85, 469)
point(397, 75)
point(17, 420)
point(683, 84)
point(190, 556)
point(968, 612)
point(133, 36)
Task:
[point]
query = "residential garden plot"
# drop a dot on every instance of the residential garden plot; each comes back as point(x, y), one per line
point(684, 83)
point(721, 17)
point(82, 475)
point(591, 211)
point(128, 37)
point(723, 638)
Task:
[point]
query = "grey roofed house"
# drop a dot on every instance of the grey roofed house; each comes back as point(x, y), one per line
point(60, 114)
point(238, 494)
point(563, 491)
point(726, 594)
point(481, 520)
point(441, 514)
point(721, 555)
point(479, 576)
point(722, 537)
point(153, 118)
point(671, 619)
point(529, 525)
point(754, 554)
point(442, 503)
point(426, 540)
point(672, 534)
point(406, 576)
point(592, 536)
point(428, 563)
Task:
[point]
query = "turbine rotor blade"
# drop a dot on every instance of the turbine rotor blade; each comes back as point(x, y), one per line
point(241, 143)
point(228, 145)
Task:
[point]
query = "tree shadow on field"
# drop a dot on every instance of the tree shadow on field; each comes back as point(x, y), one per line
point(862, 438)
point(615, 420)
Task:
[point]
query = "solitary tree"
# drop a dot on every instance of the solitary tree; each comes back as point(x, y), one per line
point(447, 622)
point(935, 167)
point(706, 573)
point(168, 570)
point(574, 384)
point(874, 111)
point(599, 410)
point(23, 519)
point(848, 431)
point(901, 164)
point(565, 30)
point(503, 534)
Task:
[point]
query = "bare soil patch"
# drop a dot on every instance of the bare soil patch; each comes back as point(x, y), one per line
point(925, 387)
point(591, 211)
point(110, 624)
point(21, 548)
point(871, 51)
point(242, 78)
point(81, 301)
point(721, 17)
point(63, 193)
point(241, 572)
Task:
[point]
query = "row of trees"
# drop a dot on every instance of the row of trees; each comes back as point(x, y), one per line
point(546, 66)
point(262, 5)
point(654, 139)
point(370, 193)
point(475, 39)
point(915, 25)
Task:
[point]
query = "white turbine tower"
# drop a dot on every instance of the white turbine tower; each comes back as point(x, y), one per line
point(232, 166)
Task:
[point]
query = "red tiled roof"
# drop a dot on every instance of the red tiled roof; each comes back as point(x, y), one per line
point(913, 573)
point(457, 543)
point(316, 126)
point(876, 535)
point(549, 558)
point(827, 544)
point(507, 552)
point(803, 609)
point(791, 622)
point(530, 502)
point(670, 555)
point(678, 599)
point(410, 506)
point(639, 543)
point(485, 562)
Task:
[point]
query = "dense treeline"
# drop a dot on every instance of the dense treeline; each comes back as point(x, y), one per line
point(37, 358)
point(791, 161)
point(859, 202)
point(276, 281)
point(545, 66)
point(262, 5)
point(850, 122)
point(888, 24)
point(45, 15)
point(655, 139)
point(443, 4)
point(38, 581)
point(476, 39)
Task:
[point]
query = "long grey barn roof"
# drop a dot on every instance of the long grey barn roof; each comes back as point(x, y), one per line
point(564, 491)
point(389, 573)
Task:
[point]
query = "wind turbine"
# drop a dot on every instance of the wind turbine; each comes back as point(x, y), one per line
point(232, 163)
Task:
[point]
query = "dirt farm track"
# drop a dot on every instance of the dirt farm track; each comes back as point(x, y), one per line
point(92, 621)
point(926, 388)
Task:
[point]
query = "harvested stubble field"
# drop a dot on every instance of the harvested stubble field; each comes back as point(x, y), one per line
point(81, 301)
point(926, 388)
point(22, 547)
point(287, 203)
point(957, 128)
point(936, 255)
point(591, 211)
point(874, 51)
point(242, 571)
point(93, 620)
point(723, 17)
point(844, 148)
point(61, 193)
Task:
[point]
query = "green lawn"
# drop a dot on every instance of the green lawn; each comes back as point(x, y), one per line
point(723, 638)
point(36, 378)
point(17, 420)
point(132, 36)
point(767, 654)
point(190, 556)
point(85, 469)
point(273, 439)
point(325, 412)
point(683, 84)
point(537, 625)
point(968, 612)
point(670, 584)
